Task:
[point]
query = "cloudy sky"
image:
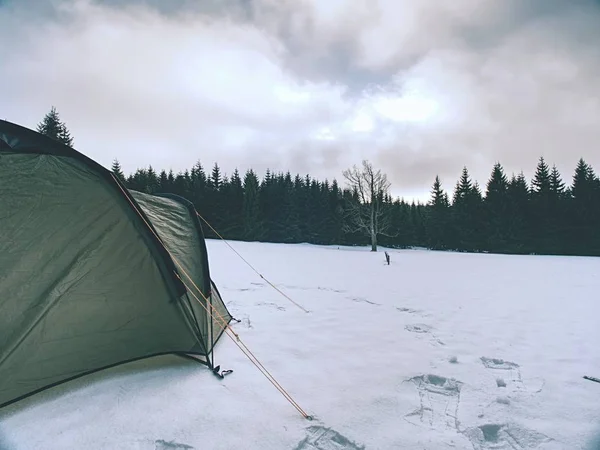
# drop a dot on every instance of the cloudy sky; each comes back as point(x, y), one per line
point(418, 87)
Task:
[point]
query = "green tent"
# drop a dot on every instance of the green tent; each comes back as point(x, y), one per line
point(93, 275)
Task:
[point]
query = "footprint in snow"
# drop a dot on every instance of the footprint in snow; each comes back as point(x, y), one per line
point(508, 377)
point(363, 300)
point(418, 328)
point(421, 328)
point(321, 438)
point(504, 437)
point(172, 445)
point(439, 399)
point(407, 310)
point(504, 370)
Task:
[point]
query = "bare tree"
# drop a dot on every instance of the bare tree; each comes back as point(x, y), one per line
point(367, 212)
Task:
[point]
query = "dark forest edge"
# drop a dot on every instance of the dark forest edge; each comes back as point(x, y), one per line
point(545, 217)
point(510, 215)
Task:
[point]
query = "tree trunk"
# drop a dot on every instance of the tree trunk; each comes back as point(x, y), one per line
point(373, 229)
point(373, 241)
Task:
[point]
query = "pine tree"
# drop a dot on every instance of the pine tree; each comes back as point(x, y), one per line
point(496, 211)
point(171, 181)
point(199, 187)
point(235, 204)
point(53, 127)
point(290, 211)
point(253, 229)
point(436, 217)
point(584, 211)
point(215, 179)
point(336, 213)
point(417, 223)
point(540, 185)
point(406, 232)
point(163, 182)
point(497, 186)
point(467, 216)
point(541, 197)
point(583, 182)
point(183, 185)
point(518, 223)
point(557, 186)
point(557, 213)
point(117, 170)
point(152, 182)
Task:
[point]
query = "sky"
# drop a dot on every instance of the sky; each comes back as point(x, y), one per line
point(418, 87)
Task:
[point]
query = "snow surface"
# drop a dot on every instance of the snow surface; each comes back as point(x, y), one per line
point(436, 351)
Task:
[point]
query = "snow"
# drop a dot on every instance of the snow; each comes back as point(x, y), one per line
point(435, 351)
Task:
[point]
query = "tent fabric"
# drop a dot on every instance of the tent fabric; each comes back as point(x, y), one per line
point(84, 281)
point(177, 224)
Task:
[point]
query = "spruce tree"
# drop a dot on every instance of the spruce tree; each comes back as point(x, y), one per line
point(53, 127)
point(163, 182)
point(558, 215)
point(336, 213)
point(215, 178)
point(540, 184)
point(235, 205)
point(198, 188)
point(290, 211)
point(253, 229)
point(518, 195)
point(557, 186)
point(183, 185)
point(584, 211)
point(437, 216)
point(117, 170)
point(496, 211)
point(541, 196)
point(152, 181)
point(467, 217)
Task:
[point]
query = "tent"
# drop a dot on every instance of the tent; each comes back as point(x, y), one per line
point(93, 275)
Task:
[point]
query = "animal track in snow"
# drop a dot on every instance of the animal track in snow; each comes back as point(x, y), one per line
point(439, 397)
point(504, 437)
point(321, 438)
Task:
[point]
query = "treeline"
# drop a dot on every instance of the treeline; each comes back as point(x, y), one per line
point(509, 215)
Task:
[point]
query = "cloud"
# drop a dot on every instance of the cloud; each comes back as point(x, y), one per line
point(309, 86)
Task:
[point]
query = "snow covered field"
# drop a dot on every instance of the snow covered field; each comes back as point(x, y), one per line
point(436, 351)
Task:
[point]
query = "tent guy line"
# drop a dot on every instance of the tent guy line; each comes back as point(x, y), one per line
point(250, 265)
point(237, 340)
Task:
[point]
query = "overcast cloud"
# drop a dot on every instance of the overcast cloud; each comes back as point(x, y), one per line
point(419, 87)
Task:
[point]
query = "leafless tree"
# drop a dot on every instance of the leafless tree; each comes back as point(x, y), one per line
point(367, 212)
